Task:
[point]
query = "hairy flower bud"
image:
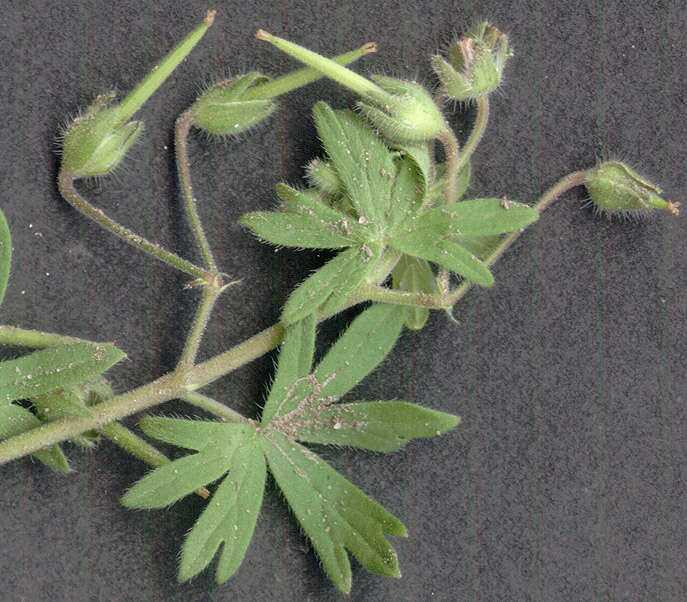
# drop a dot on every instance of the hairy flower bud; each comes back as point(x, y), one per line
point(406, 113)
point(474, 64)
point(94, 144)
point(614, 188)
point(324, 177)
point(226, 108)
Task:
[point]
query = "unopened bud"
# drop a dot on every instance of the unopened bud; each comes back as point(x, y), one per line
point(406, 113)
point(614, 188)
point(95, 143)
point(324, 177)
point(224, 109)
point(474, 64)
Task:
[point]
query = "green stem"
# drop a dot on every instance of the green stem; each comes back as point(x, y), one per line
point(200, 322)
point(302, 77)
point(181, 130)
point(476, 134)
point(65, 183)
point(159, 74)
point(452, 149)
point(171, 386)
point(10, 335)
point(214, 407)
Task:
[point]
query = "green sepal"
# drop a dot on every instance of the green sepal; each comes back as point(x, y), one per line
point(334, 514)
point(53, 368)
point(15, 420)
point(295, 360)
point(416, 276)
point(363, 162)
point(427, 244)
point(5, 255)
point(224, 109)
point(95, 143)
point(383, 426)
point(406, 113)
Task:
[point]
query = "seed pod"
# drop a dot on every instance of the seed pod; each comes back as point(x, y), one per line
point(614, 188)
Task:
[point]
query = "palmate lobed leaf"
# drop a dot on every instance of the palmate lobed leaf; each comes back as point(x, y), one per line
point(53, 368)
point(230, 516)
point(335, 514)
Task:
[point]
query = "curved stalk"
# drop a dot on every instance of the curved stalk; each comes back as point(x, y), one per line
point(65, 183)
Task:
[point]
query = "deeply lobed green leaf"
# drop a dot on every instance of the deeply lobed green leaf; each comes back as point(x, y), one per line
point(335, 514)
point(229, 518)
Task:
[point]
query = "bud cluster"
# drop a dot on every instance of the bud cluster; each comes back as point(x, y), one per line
point(474, 64)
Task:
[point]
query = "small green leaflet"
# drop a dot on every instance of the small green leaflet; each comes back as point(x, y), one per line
point(231, 514)
point(307, 224)
point(15, 420)
point(5, 255)
point(334, 513)
point(383, 426)
point(414, 275)
point(331, 283)
point(53, 368)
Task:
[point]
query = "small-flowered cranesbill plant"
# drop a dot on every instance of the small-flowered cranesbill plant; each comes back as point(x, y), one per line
point(408, 242)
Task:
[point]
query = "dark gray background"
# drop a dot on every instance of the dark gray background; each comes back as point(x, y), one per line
point(566, 480)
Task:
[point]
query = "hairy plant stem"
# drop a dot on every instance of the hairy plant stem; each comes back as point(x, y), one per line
point(452, 149)
point(10, 335)
point(181, 130)
point(210, 293)
point(65, 183)
point(476, 134)
point(214, 407)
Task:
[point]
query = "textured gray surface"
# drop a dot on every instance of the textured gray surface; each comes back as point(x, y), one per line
point(567, 479)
